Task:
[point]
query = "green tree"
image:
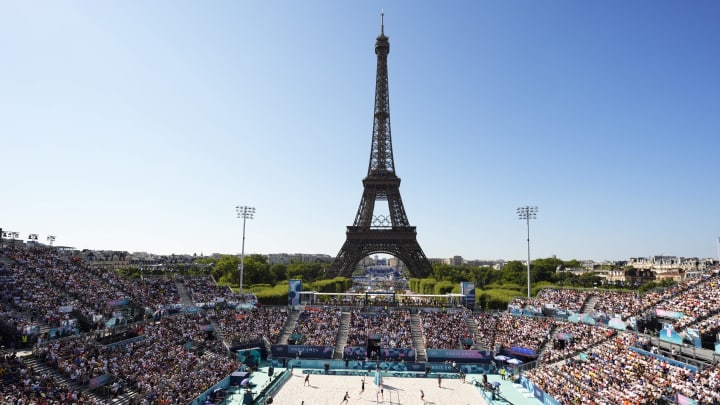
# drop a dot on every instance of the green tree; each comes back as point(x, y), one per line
point(514, 272)
point(589, 279)
point(444, 272)
point(307, 271)
point(279, 272)
point(256, 270)
point(543, 269)
point(226, 269)
point(565, 278)
point(573, 264)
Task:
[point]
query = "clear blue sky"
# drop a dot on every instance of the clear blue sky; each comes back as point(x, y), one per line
point(140, 125)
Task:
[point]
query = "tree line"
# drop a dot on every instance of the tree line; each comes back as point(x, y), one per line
point(494, 287)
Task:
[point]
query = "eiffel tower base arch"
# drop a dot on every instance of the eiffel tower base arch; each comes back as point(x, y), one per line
point(399, 243)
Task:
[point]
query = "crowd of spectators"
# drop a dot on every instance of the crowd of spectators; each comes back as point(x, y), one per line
point(506, 331)
point(45, 286)
point(446, 329)
point(21, 384)
point(709, 325)
point(569, 300)
point(569, 339)
point(623, 303)
point(28, 288)
point(392, 326)
point(156, 292)
point(174, 362)
point(177, 358)
point(615, 374)
point(697, 303)
point(251, 325)
point(204, 290)
point(318, 326)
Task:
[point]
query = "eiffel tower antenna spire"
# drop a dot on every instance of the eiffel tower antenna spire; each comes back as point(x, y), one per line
point(382, 22)
point(385, 233)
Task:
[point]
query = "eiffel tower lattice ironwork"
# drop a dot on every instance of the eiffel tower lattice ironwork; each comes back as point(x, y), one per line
point(390, 233)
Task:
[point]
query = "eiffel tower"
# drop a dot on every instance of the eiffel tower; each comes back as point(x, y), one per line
point(390, 233)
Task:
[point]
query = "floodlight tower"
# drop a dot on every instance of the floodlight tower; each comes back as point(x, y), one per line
point(245, 213)
point(527, 213)
point(50, 239)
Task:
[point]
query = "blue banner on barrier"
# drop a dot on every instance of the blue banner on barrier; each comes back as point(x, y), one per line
point(118, 303)
point(548, 400)
point(617, 323)
point(539, 394)
point(526, 383)
point(355, 352)
point(467, 288)
point(99, 381)
point(406, 354)
point(294, 288)
point(251, 357)
point(662, 313)
point(531, 312)
point(668, 334)
point(693, 335)
point(302, 351)
point(717, 347)
point(461, 356)
point(522, 351)
point(683, 400)
point(588, 319)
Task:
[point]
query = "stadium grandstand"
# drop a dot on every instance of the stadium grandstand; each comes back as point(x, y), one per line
point(74, 333)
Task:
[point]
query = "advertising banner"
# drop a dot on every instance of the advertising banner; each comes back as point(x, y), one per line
point(693, 335)
point(355, 352)
point(406, 354)
point(467, 288)
point(250, 357)
point(294, 287)
point(683, 400)
point(668, 334)
point(98, 381)
point(460, 356)
point(522, 351)
point(302, 351)
point(617, 323)
point(588, 319)
point(548, 400)
point(539, 394)
point(118, 303)
point(662, 313)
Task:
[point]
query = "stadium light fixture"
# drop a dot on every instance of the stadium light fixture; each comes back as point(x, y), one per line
point(527, 213)
point(245, 213)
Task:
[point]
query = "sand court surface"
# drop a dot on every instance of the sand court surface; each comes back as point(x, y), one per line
point(330, 389)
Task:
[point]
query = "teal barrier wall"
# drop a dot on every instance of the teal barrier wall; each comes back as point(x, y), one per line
point(482, 368)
